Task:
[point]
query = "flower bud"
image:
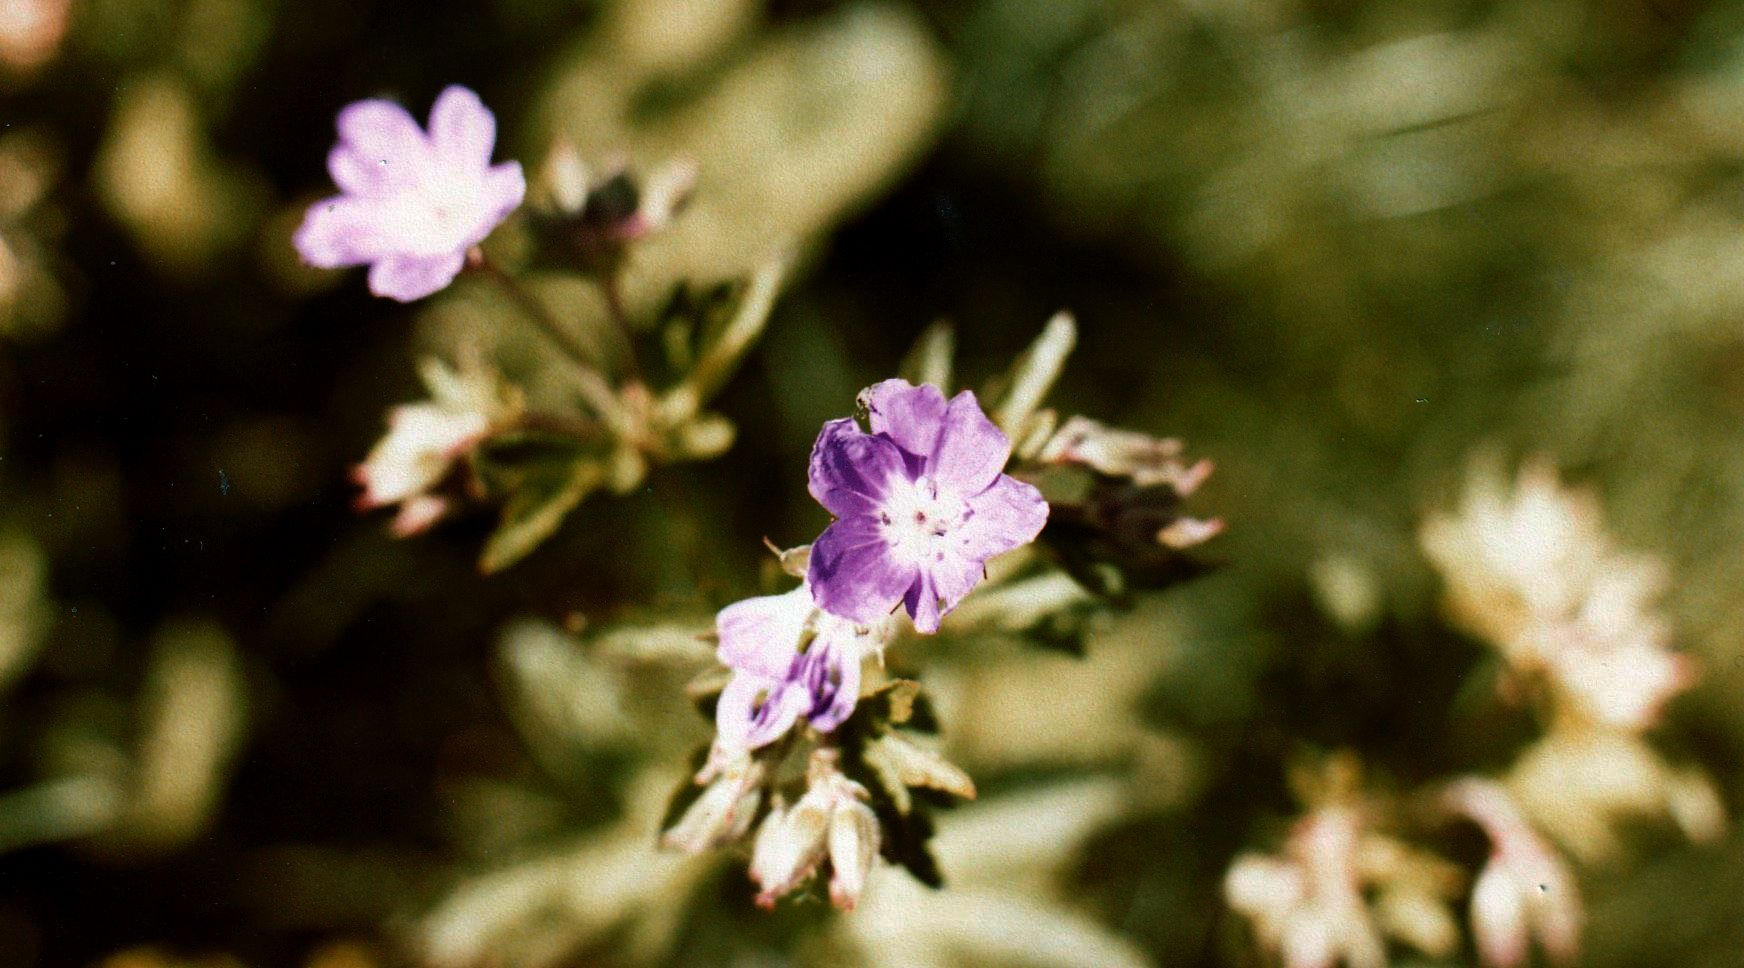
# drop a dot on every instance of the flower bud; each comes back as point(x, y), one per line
point(789, 846)
point(723, 813)
point(853, 843)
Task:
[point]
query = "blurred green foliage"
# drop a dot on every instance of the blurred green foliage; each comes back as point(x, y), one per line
point(1341, 247)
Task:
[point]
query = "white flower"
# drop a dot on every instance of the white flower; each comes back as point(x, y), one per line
point(1533, 572)
point(425, 439)
point(1308, 905)
point(1525, 891)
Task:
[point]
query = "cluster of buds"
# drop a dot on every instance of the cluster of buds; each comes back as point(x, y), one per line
point(829, 821)
point(416, 463)
point(1531, 571)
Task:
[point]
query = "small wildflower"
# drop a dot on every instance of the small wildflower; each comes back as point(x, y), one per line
point(921, 504)
point(1532, 571)
point(1525, 890)
point(424, 441)
point(789, 660)
point(413, 202)
point(1308, 905)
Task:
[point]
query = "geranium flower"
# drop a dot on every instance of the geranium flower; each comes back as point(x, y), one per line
point(921, 503)
point(790, 659)
point(413, 203)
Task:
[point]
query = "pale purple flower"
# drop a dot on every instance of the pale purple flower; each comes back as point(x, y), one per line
point(413, 201)
point(921, 503)
point(790, 660)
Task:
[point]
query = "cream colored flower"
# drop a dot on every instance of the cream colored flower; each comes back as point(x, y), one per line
point(1308, 904)
point(425, 439)
point(1532, 571)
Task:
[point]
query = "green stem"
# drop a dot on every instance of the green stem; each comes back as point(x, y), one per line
point(593, 385)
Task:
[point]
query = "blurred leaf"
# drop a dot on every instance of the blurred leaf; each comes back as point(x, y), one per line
point(544, 477)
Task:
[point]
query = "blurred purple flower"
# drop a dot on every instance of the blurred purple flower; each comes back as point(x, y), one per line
point(920, 502)
point(413, 202)
point(789, 660)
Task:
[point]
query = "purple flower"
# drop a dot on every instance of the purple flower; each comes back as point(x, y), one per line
point(789, 660)
point(413, 202)
point(920, 502)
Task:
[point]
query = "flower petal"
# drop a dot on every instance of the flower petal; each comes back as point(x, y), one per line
point(850, 468)
point(922, 602)
point(383, 134)
point(1498, 913)
point(834, 683)
point(852, 574)
point(339, 231)
point(753, 711)
point(971, 451)
point(761, 635)
point(910, 415)
point(504, 188)
point(462, 130)
point(412, 277)
point(356, 174)
point(1007, 515)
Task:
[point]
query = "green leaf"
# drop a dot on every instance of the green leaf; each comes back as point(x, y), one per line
point(930, 359)
point(543, 477)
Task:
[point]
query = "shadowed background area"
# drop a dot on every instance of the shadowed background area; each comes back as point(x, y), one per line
point(1347, 250)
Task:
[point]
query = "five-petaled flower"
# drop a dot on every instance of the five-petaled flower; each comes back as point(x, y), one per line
point(921, 503)
point(413, 203)
point(790, 660)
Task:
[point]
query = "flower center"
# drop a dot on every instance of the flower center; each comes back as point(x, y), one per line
point(918, 519)
point(436, 214)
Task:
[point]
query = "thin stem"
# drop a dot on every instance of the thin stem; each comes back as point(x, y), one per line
point(593, 385)
point(612, 286)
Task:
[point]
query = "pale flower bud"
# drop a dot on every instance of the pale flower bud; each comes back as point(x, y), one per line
point(853, 849)
point(789, 846)
point(723, 813)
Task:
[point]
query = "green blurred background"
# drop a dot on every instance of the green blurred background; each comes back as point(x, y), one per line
point(1340, 247)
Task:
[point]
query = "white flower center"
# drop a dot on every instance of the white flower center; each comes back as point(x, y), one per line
point(918, 519)
point(437, 213)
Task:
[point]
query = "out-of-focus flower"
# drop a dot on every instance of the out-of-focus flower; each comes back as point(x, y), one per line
point(1581, 786)
point(1143, 459)
point(921, 504)
point(425, 440)
point(31, 32)
point(723, 812)
point(1525, 891)
point(1308, 904)
point(592, 217)
point(830, 820)
point(1533, 572)
point(790, 659)
point(413, 202)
